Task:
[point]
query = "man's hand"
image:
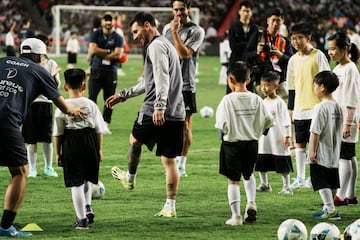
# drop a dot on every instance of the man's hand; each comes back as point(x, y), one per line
point(112, 100)
point(159, 117)
point(77, 112)
point(175, 23)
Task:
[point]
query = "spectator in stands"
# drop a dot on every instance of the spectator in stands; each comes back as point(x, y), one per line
point(10, 41)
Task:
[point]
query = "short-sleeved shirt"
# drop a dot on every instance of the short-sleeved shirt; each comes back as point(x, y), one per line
point(93, 118)
point(327, 123)
point(21, 81)
point(242, 116)
point(347, 94)
point(112, 41)
point(192, 35)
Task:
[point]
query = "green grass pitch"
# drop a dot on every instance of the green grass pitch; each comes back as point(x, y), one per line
point(202, 205)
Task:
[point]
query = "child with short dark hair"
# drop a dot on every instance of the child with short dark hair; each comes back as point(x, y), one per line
point(242, 118)
point(78, 146)
point(325, 142)
point(302, 67)
point(274, 152)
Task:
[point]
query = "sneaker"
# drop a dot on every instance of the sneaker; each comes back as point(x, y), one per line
point(325, 214)
point(250, 212)
point(13, 232)
point(234, 221)
point(264, 188)
point(49, 171)
point(352, 201)
point(339, 202)
point(286, 191)
point(300, 183)
point(32, 173)
point(81, 224)
point(90, 213)
point(182, 172)
point(166, 213)
point(121, 175)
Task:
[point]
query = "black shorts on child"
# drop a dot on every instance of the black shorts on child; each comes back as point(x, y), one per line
point(80, 156)
point(323, 177)
point(238, 159)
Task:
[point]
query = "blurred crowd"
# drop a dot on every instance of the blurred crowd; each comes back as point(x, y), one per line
point(325, 14)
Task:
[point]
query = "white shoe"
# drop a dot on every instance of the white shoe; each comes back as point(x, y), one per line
point(32, 173)
point(286, 191)
point(250, 212)
point(234, 221)
point(49, 171)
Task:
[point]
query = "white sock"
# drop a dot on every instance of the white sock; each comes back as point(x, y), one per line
point(182, 161)
point(344, 173)
point(32, 155)
point(351, 191)
point(87, 193)
point(327, 198)
point(130, 177)
point(286, 179)
point(250, 188)
point(300, 155)
point(170, 204)
point(263, 178)
point(48, 154)
point(234, 199)
point(78, 198)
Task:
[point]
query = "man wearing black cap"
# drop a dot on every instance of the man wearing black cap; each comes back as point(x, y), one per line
point(105, 48)
point(273, 52)
point(22, 80)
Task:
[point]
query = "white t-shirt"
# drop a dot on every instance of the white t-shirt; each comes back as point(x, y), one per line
point(327, 123)
point(93, 119)
point(272, 143)
point(242, 116)
point(348, 94)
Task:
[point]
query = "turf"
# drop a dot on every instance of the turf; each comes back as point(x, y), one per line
point(202, 205)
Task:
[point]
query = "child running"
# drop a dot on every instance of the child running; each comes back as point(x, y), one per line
point(78, 146)
point(274, 152)
point(242, 118)
point(324, 144)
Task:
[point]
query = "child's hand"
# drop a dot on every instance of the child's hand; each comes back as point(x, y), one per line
point(312, 157)
point(286, 142)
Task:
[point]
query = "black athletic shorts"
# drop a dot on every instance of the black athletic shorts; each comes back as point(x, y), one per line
point(190, 102)
point(12, 150)
point(347, 150)
point(168, 137)
point(302, 130)
point(323, 177)
point(37, 126)
point(238, 159)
